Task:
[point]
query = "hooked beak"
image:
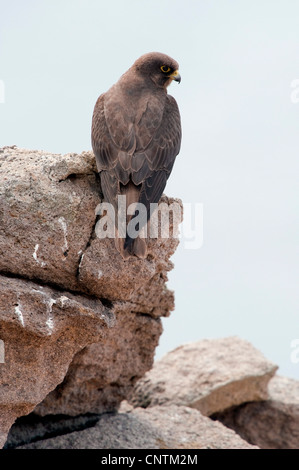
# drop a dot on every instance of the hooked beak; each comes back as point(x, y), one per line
point(175, 76)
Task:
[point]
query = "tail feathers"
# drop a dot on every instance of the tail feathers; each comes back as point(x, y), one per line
point(129, 244)
point(130, 247)
point(135, 246)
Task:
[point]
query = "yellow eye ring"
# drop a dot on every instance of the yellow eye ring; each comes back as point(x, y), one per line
point(165, 69)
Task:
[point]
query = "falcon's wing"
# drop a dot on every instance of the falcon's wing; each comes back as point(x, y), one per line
point(102, 144)
point(156, 142)
point(105, 152)
point(152, 166)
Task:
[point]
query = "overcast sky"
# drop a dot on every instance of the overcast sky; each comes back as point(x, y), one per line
point(239, 62)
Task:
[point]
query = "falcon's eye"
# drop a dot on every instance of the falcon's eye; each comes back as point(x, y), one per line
point(165, 69)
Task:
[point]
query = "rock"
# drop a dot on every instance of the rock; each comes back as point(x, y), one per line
point(271, 424)
point(79, 327)
point(104, 373)
point(181, 427)
point(104, 273)
point(48, 206)
point(160, 427)
point(47, 214)
point(209, 375)
point(73, 314)
point(42, 329)
point(34, 428)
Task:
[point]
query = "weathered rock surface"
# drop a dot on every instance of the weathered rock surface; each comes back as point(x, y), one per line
point(47, 205)
point(32, 428)
point(271, 424)
point(73, 313)
point(161, 427)
point(266, 423)
point(42, 329)
point(48, 211)
point(102, 374)
point(210, 375)
point(80, 326)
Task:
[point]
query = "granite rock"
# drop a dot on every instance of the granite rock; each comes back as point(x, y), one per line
point(269, 424)
point(160, 427)
point(210, 375)
point(78, 323)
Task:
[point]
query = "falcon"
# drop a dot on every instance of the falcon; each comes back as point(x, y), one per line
point(136, 136)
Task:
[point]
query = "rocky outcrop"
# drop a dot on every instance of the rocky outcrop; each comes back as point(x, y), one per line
point(79, 324)
point(270, 421)
point(79, 327)
point(269, 424)
point(48, 217)
point(161, 427)
point(210, 375)
point(42, 329)
point(102, 374)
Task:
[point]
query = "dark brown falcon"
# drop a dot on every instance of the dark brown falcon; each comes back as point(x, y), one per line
point(136, 136)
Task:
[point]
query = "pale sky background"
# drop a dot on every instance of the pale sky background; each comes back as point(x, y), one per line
point(239, 154)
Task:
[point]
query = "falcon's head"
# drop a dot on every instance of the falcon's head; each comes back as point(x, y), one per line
point(160, 68)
